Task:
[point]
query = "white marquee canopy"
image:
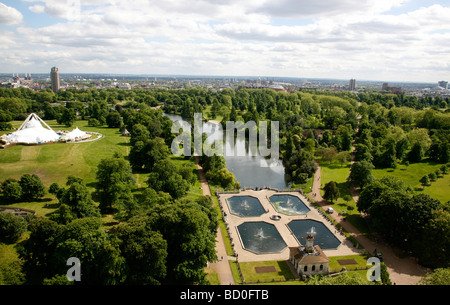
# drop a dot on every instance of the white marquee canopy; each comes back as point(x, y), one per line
point(32, 132)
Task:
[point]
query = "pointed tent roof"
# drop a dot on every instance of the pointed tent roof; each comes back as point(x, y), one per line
point(32, 132)
point(76, 133)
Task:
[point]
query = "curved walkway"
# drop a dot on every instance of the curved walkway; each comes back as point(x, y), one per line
point(403, 271)
point(222, 267)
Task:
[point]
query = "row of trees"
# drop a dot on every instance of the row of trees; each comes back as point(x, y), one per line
point(168, 243)
point(27, 188)
point(416, 223)
point(159, 239)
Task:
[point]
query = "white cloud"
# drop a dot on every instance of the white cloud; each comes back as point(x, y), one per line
point(9, 15)
point(347, 38)
point(38, 9)
point(307, 8)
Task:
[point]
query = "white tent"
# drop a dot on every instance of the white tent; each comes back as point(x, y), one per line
point(75, 134)
point(32, 132)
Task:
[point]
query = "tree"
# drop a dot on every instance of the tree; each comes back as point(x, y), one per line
point(11, 191)
point(144, 250)
point(401, 148)
point(331, 191)
point(32, 187)
point(425, 180)
point(10, 267)
point(38, 249)
point(362, 153)
point(113, 119)
point(144, 154)
point(439, 276)
point(342, 279)
point(149, 198)
point(444, 152)
point(432, 176)
point(76, 202)
point(418, 211)
point(329, 154)
point(343, 157)
point(68, 117)
point(222, 177)
point(114, 182)
point(388, 157)
point(54, 188)
point(97, 250)
point(190, 241)
point(387, 212)
point(374, 189)
point(436, 239)
point(165, 177)
point(11, 227)
point(416, 153)
point(361, 173)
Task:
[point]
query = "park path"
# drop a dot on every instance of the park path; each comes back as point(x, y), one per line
point(222, 267)
point(402, 271)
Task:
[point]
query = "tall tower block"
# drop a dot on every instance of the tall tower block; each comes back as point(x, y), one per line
point(54, 76)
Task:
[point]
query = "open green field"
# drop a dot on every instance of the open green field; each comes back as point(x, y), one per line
point(411, 174)
point(440, 189)
point(55, 162)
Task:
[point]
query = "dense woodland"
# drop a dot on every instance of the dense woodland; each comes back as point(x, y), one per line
point(164, 238)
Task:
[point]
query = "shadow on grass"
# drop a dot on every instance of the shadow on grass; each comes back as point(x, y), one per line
point(336, 166)
point(124, 144)
point(52, 206)
point(359, 222)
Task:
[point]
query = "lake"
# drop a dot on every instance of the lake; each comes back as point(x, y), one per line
point(250, 170)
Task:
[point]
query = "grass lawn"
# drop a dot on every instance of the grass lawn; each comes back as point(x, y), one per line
point(335, 266)
point(339, 174)
point(212, 276)
point(281, 273)
point(207, 114)
point(411, 175)
point(439, 189)
point(55, 162)
point(335, 172)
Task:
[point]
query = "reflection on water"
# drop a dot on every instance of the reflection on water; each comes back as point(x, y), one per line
point(251, 170)
point(288, 204)
point(261, 237)
point(245, 206)
point(322, 235)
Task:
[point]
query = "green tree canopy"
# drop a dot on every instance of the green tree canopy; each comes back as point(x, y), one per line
point(331, 191)
point(114, 182)
point(32, 187)
point(361, 173)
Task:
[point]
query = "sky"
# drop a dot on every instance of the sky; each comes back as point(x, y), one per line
point(380, 40)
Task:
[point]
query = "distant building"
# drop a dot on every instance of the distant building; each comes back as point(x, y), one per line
point(124, 86)
point(352, 84)
point(393, 90)
point(54, 76)
point(443, 84)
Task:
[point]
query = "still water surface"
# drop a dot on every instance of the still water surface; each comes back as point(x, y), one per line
point(247, 169)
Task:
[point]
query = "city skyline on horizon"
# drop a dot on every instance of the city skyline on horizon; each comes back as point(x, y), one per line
point(193, 76)
point(377, 40)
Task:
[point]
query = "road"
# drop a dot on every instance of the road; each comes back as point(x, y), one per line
point(403, 271)
point(222, 267)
